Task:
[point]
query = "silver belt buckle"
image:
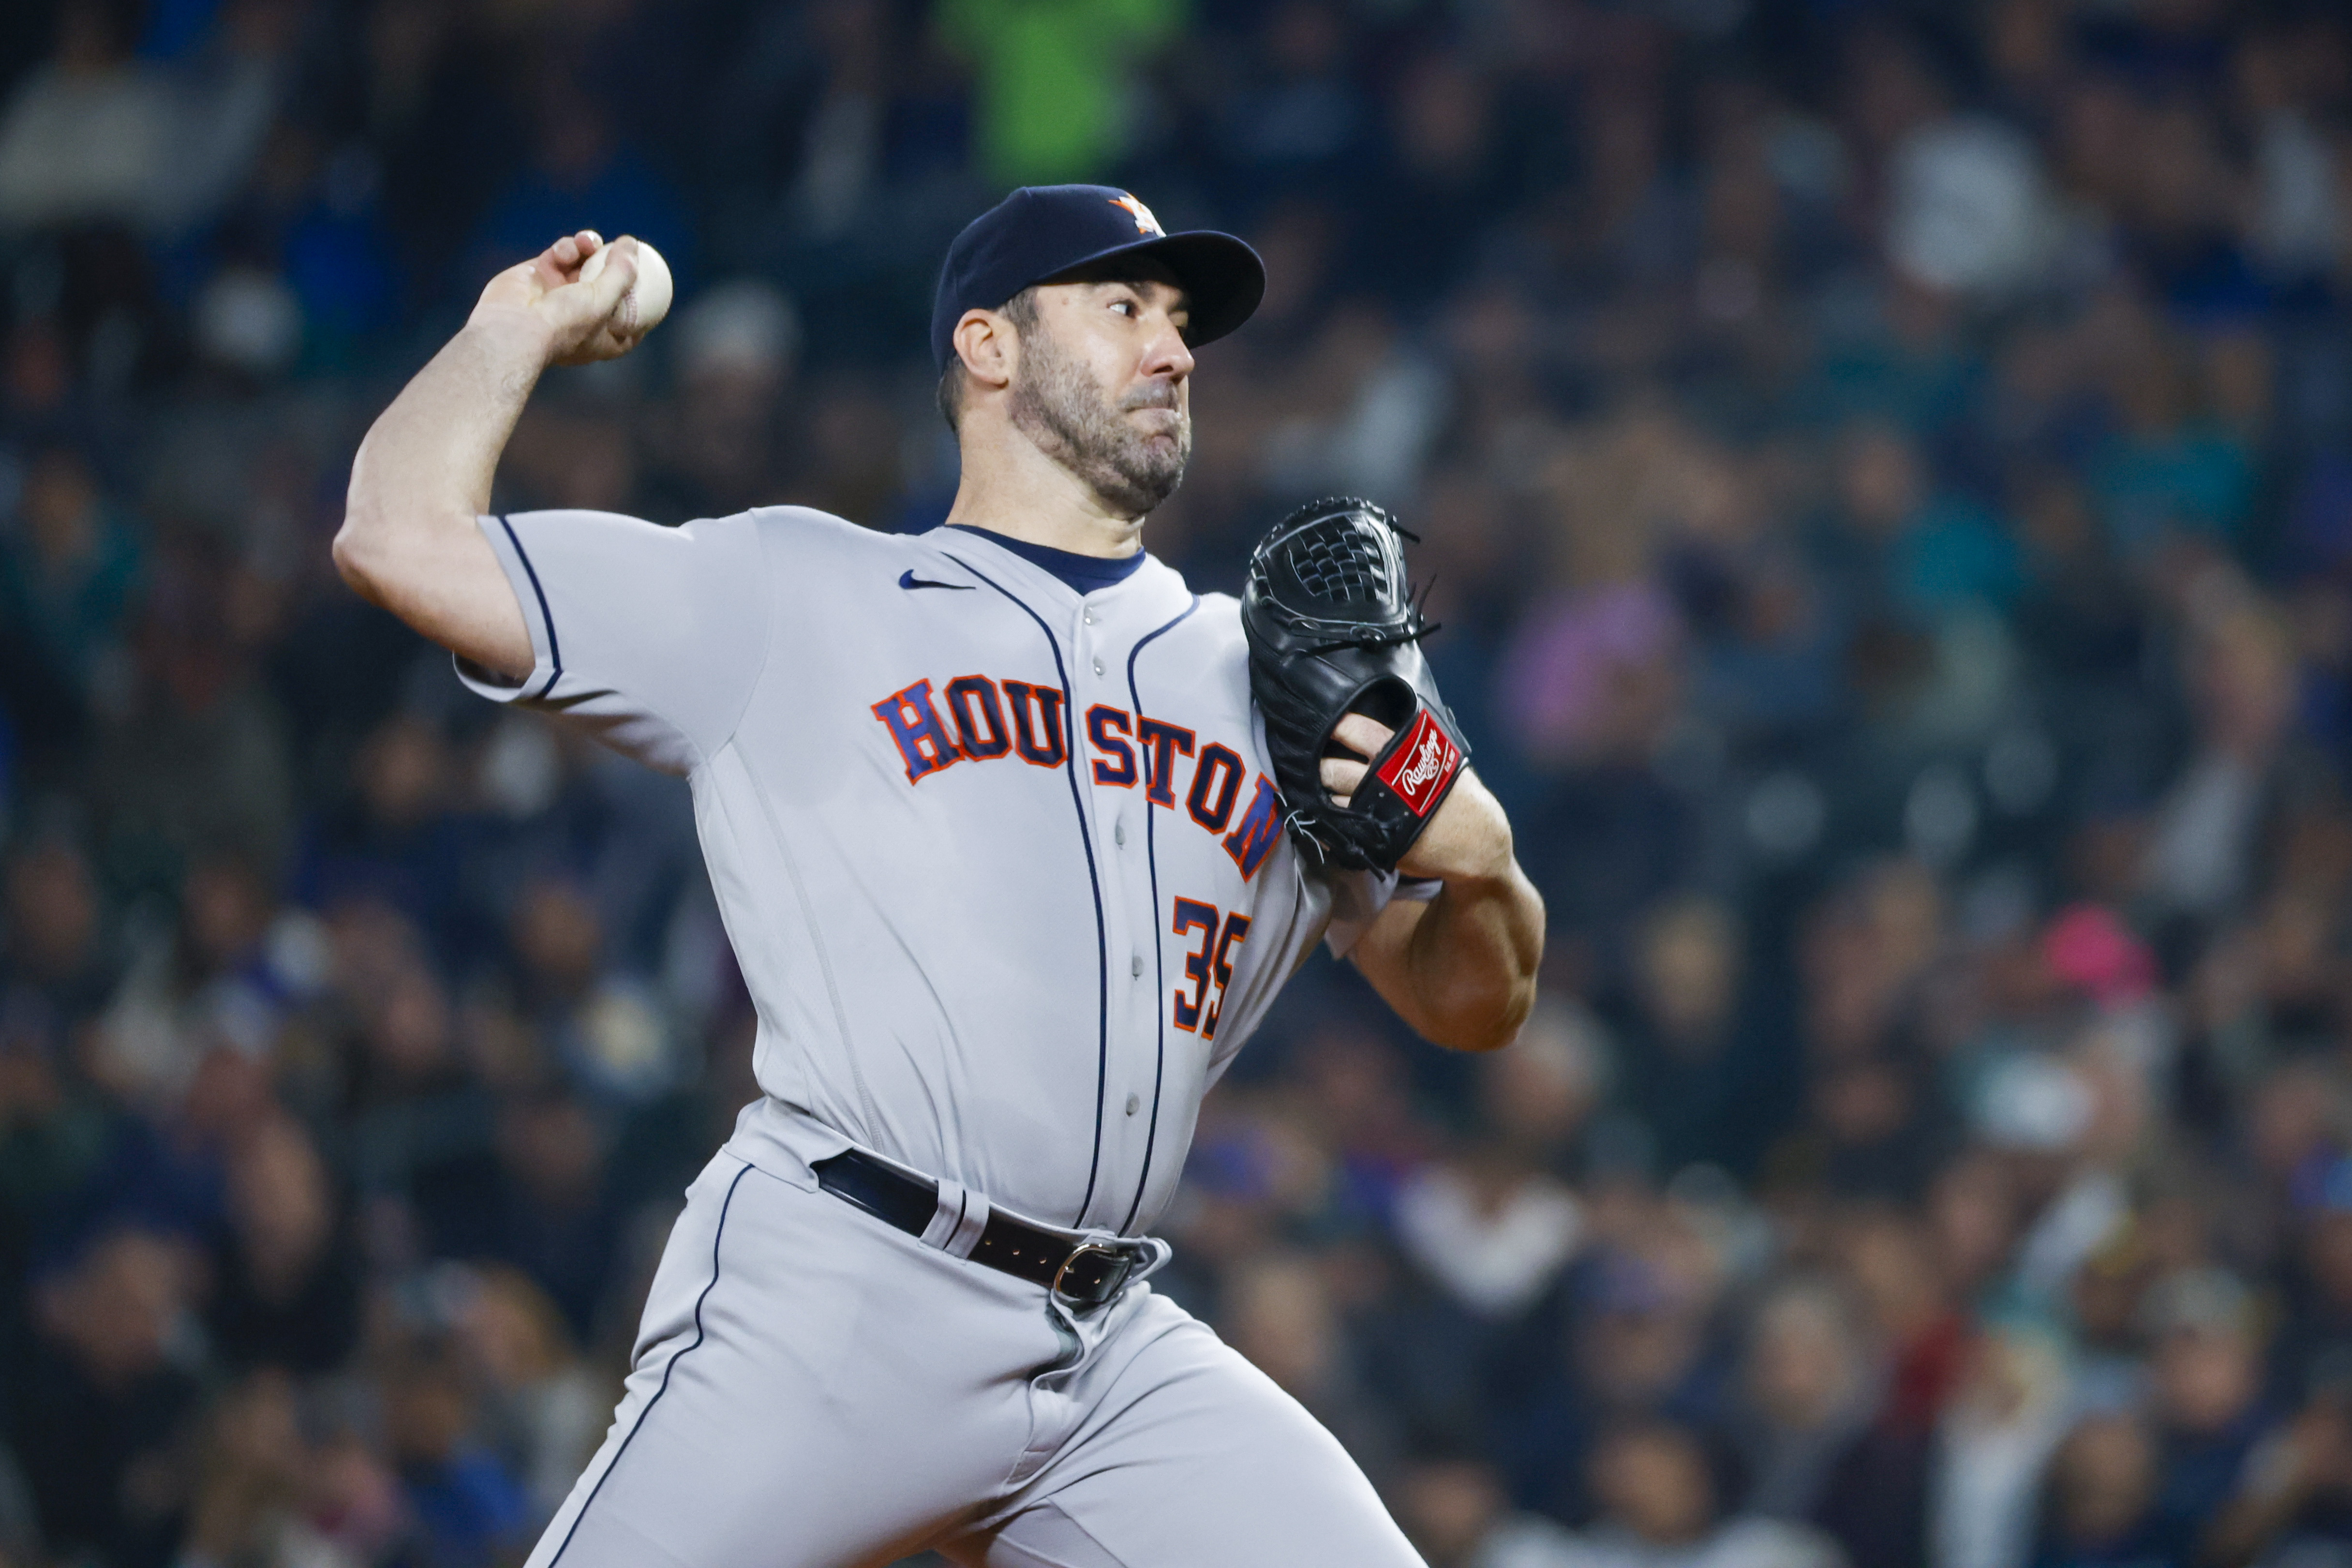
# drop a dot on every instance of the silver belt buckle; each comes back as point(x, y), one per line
point(1104, 1249)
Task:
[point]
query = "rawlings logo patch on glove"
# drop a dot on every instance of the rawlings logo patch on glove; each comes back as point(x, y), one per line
point(1332, 631)
point(1422, 767)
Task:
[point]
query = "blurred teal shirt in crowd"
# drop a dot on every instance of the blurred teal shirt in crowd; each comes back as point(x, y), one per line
point(1954, 553)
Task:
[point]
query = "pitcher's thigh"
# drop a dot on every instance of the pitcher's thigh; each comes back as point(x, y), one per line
point(798, 1407)
point(1195, 1458)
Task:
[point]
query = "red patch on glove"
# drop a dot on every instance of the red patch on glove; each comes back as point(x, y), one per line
point(1419, 769)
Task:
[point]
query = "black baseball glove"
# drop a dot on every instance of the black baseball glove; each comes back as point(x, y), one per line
point(1333, 631)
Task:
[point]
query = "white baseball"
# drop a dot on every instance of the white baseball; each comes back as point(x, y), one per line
point(647, 300)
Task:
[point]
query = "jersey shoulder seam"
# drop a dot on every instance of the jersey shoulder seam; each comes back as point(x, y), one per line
point(767, 632)
point(792, 514)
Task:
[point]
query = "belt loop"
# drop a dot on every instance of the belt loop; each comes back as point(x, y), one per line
point(953, 1200)
point(959, 1219)
point(975, 1220)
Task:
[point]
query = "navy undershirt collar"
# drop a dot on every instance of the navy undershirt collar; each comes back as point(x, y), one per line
point(1084, 574)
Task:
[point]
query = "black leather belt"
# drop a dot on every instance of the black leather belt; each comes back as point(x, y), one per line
point(1083, 1272)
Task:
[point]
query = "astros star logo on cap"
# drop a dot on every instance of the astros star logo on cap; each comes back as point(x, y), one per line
point(1144, 221)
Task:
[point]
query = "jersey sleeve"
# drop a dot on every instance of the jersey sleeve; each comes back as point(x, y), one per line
point(654, 638)
point(1359, 897)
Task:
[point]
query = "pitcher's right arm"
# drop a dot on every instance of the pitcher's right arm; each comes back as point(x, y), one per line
point(410, 540)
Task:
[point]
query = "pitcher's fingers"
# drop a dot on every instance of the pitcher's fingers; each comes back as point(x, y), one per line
point(620, 275)
point(560, 263)
point(1364, 736)
point(1341, 776)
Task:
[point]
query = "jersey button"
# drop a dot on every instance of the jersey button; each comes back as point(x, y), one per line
point(1133, 1104)
point(1135, 967)
point(1097, 667)
point(1088, 617)
point(1118, 832)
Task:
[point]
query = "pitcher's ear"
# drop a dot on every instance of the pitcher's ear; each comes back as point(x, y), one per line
point(989, 345)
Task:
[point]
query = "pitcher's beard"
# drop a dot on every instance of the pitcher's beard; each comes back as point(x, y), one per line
point(1062, 409)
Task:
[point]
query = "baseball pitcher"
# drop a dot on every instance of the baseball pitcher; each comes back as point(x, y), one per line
point(1015, 836)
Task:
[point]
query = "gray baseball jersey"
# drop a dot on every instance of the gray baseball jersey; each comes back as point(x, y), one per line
point(1001, 863)
point(1009, 885)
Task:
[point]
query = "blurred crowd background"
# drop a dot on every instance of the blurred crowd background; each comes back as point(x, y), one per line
point(1885, 472)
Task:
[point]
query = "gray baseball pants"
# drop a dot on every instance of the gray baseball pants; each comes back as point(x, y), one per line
point(814, 1389)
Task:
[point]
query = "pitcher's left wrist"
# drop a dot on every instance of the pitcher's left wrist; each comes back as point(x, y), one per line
point(1467, 840)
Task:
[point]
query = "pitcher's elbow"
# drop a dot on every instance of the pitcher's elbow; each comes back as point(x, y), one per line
point(1509, 1020)
point(357, 553)
point(1491, 1023)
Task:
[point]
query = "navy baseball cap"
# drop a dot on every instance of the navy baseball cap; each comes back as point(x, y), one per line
point(1040, 233)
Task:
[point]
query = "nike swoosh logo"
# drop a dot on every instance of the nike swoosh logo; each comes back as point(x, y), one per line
point(908, 579)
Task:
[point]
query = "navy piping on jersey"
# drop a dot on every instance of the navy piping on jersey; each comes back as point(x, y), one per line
point(1158, 950)
point(546, 618)
point(1094, 879)
point(617, 1454)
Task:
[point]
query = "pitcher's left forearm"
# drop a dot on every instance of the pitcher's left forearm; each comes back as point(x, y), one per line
point(1473, 960)
point(1460, 967)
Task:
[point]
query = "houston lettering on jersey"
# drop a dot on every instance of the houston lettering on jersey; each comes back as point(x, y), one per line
point(976, 719)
